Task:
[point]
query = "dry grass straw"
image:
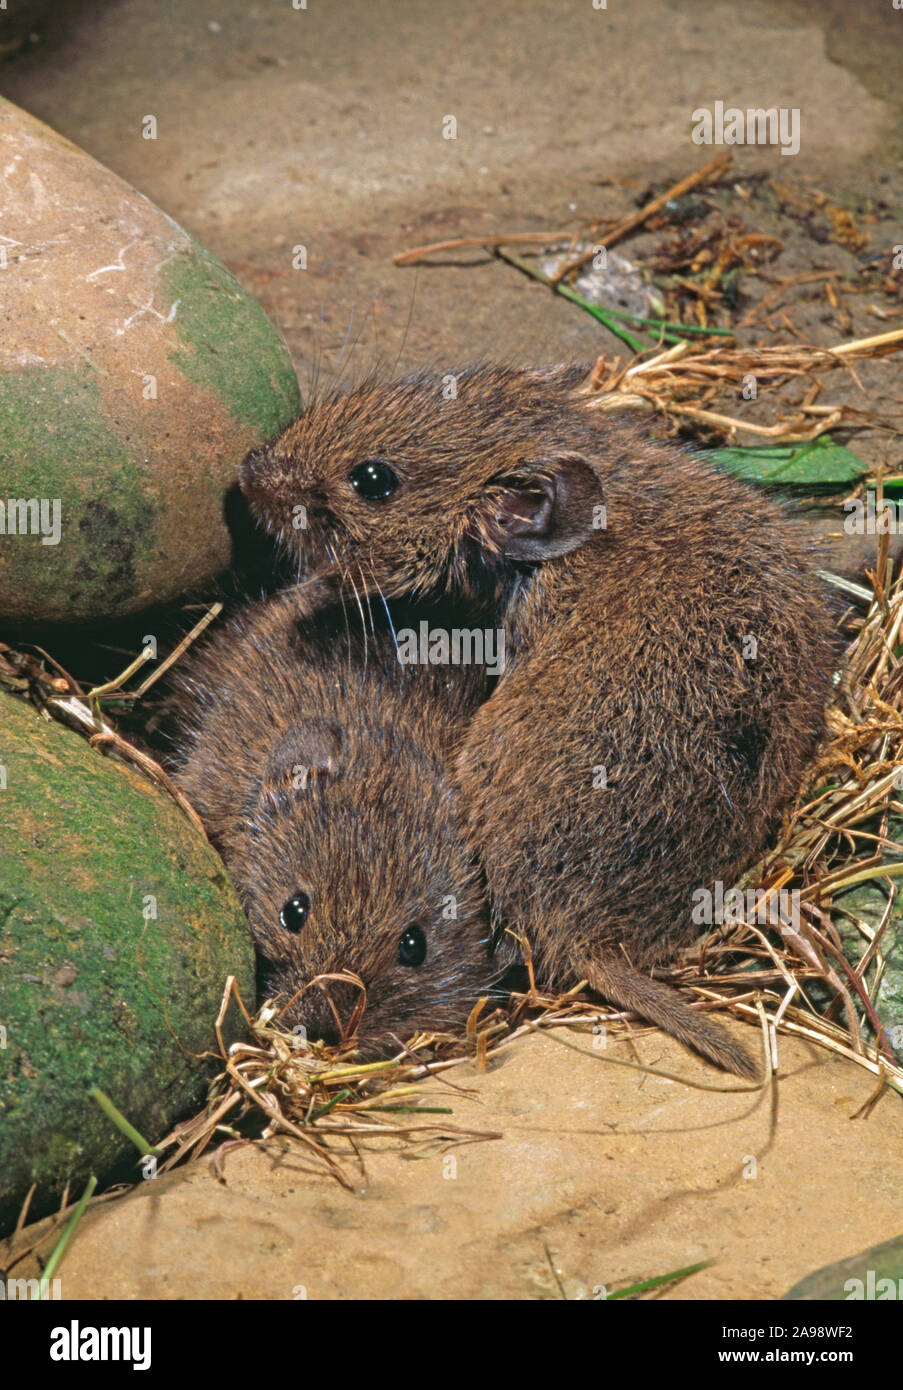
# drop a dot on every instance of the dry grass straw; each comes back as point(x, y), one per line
point(684, 381)
point(324, 1098)
point(58, 695)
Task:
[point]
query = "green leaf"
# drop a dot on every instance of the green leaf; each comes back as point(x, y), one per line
point(821, 463)
point(658, 1281)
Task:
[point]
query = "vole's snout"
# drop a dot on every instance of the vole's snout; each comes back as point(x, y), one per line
point(252, 471)
point(328, 1010)
point(270, 487)
point(264, 478)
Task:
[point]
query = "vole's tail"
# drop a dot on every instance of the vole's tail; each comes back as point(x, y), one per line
point(662, 1005)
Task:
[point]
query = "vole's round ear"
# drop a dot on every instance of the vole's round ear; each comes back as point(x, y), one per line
point(311, 754)
point(553, 507)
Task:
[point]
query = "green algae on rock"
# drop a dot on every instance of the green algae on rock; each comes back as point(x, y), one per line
point(118, 927)
point(135, 373)
point(874, 1274)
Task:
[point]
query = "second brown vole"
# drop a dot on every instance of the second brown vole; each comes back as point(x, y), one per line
point(669, 652)
point(316, 764)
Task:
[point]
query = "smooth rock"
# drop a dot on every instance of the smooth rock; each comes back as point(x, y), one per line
point(135, 373)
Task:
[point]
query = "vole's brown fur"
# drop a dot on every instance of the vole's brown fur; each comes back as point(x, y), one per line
point(316, 764)
point(670, 657)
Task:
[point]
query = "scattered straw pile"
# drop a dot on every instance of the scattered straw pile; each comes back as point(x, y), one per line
point(684, 380)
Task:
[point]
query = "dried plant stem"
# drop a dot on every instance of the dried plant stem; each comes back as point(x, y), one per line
point(461, 243)
point(712, 170)
point(679, 380)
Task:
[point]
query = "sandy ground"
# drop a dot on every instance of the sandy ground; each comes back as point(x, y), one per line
point(600, 1177)
point(324, 128)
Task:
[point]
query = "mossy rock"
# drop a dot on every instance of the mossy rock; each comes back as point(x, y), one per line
point(876, 1273)
point(135, 374)
point(96, 990)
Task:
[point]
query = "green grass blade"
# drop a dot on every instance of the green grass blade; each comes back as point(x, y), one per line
point(122, 1124)
point(325, 1109)
point(657, 1282)
point(666, 332)
point(635, 344)
point(59, 1249)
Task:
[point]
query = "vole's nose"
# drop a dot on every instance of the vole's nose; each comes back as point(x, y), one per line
point(327, 1024)
point(270, 486)
point(255, 471)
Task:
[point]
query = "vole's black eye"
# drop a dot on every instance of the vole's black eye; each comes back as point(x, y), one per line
point(412, 947)
point(294, 912)
point(374, 480)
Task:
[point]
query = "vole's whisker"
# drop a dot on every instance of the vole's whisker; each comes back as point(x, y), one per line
point(407, 327)
point(367, 598)
point(349, 348)
point(360, 606)
point(385, 604)
point(343, 577)
point(347, 336)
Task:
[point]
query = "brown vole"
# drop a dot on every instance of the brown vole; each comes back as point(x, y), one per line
point(669, 652)
point(315, 761)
